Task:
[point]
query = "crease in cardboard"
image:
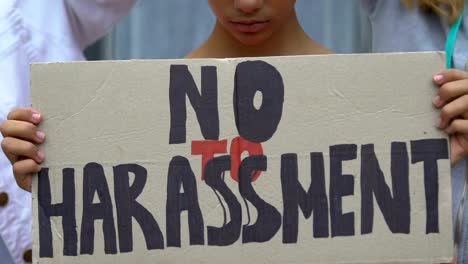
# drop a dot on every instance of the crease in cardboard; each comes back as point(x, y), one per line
point(417, 115)
point(335, 92)
point(122, 135)
point(101, 86)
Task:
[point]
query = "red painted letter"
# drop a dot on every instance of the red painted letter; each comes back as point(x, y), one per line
point(207, 148)
point(239, 145)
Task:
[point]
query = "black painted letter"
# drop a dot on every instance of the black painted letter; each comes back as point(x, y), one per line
point(294, 195)
point(94, 181)
point(429, 151)
point(205, 105)
point(252, 77)
point(127, 207)
point(269, 219)
point(230, 232)
point(396, 209)
point(181, 175)
point(66, 209)
point(341, 185)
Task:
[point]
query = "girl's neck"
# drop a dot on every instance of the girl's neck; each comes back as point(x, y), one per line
point(290, 39)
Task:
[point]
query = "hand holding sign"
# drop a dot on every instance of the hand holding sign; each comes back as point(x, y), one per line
point(20, 135)
point(452, 99)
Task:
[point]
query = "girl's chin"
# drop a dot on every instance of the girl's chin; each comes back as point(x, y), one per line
point(253, 40)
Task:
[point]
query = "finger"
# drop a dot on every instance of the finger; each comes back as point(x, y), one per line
point(25, 114)
point(457, 152)
point(453, 109)
point(5, 148)
point(23, 130)
point(23, 171)
point(450, 91)
point(449, 76)
point(457, 126)
point(22, 148)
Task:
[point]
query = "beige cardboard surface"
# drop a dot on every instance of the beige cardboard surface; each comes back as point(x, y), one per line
point(118, 112)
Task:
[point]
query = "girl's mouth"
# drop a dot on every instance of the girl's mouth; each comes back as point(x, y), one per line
point(250, 26)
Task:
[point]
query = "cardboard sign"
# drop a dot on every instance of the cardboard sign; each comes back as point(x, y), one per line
point(314, 159)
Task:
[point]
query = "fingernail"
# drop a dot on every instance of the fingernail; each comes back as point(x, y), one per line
point(437, 101)
point(438, 78)
point(36, 117)
point(40, 155)
point(40, 135)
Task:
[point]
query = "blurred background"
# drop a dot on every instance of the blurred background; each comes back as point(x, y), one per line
point(179, 26)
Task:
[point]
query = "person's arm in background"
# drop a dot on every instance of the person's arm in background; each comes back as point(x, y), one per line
point(92, 19)
point(39, 31)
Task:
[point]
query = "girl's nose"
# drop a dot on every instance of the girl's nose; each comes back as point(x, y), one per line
point(248, 6)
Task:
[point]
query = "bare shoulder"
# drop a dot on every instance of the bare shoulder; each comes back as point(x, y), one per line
point(192, 55)
point(312, 47)
point(316, 50)
point(197, 53)
point(323, 50)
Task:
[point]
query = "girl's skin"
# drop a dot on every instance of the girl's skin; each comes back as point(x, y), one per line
point(244, 28)
point(452, 100)
point(247, 28)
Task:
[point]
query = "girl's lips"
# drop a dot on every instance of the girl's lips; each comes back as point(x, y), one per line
point(249, 26)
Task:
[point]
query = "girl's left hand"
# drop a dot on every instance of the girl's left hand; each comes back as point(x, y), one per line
point(452, 99)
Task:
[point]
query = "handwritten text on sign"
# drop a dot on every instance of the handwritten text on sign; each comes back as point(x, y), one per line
point(232, 168)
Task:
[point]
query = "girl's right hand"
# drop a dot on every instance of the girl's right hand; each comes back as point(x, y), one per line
point(20, 136)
